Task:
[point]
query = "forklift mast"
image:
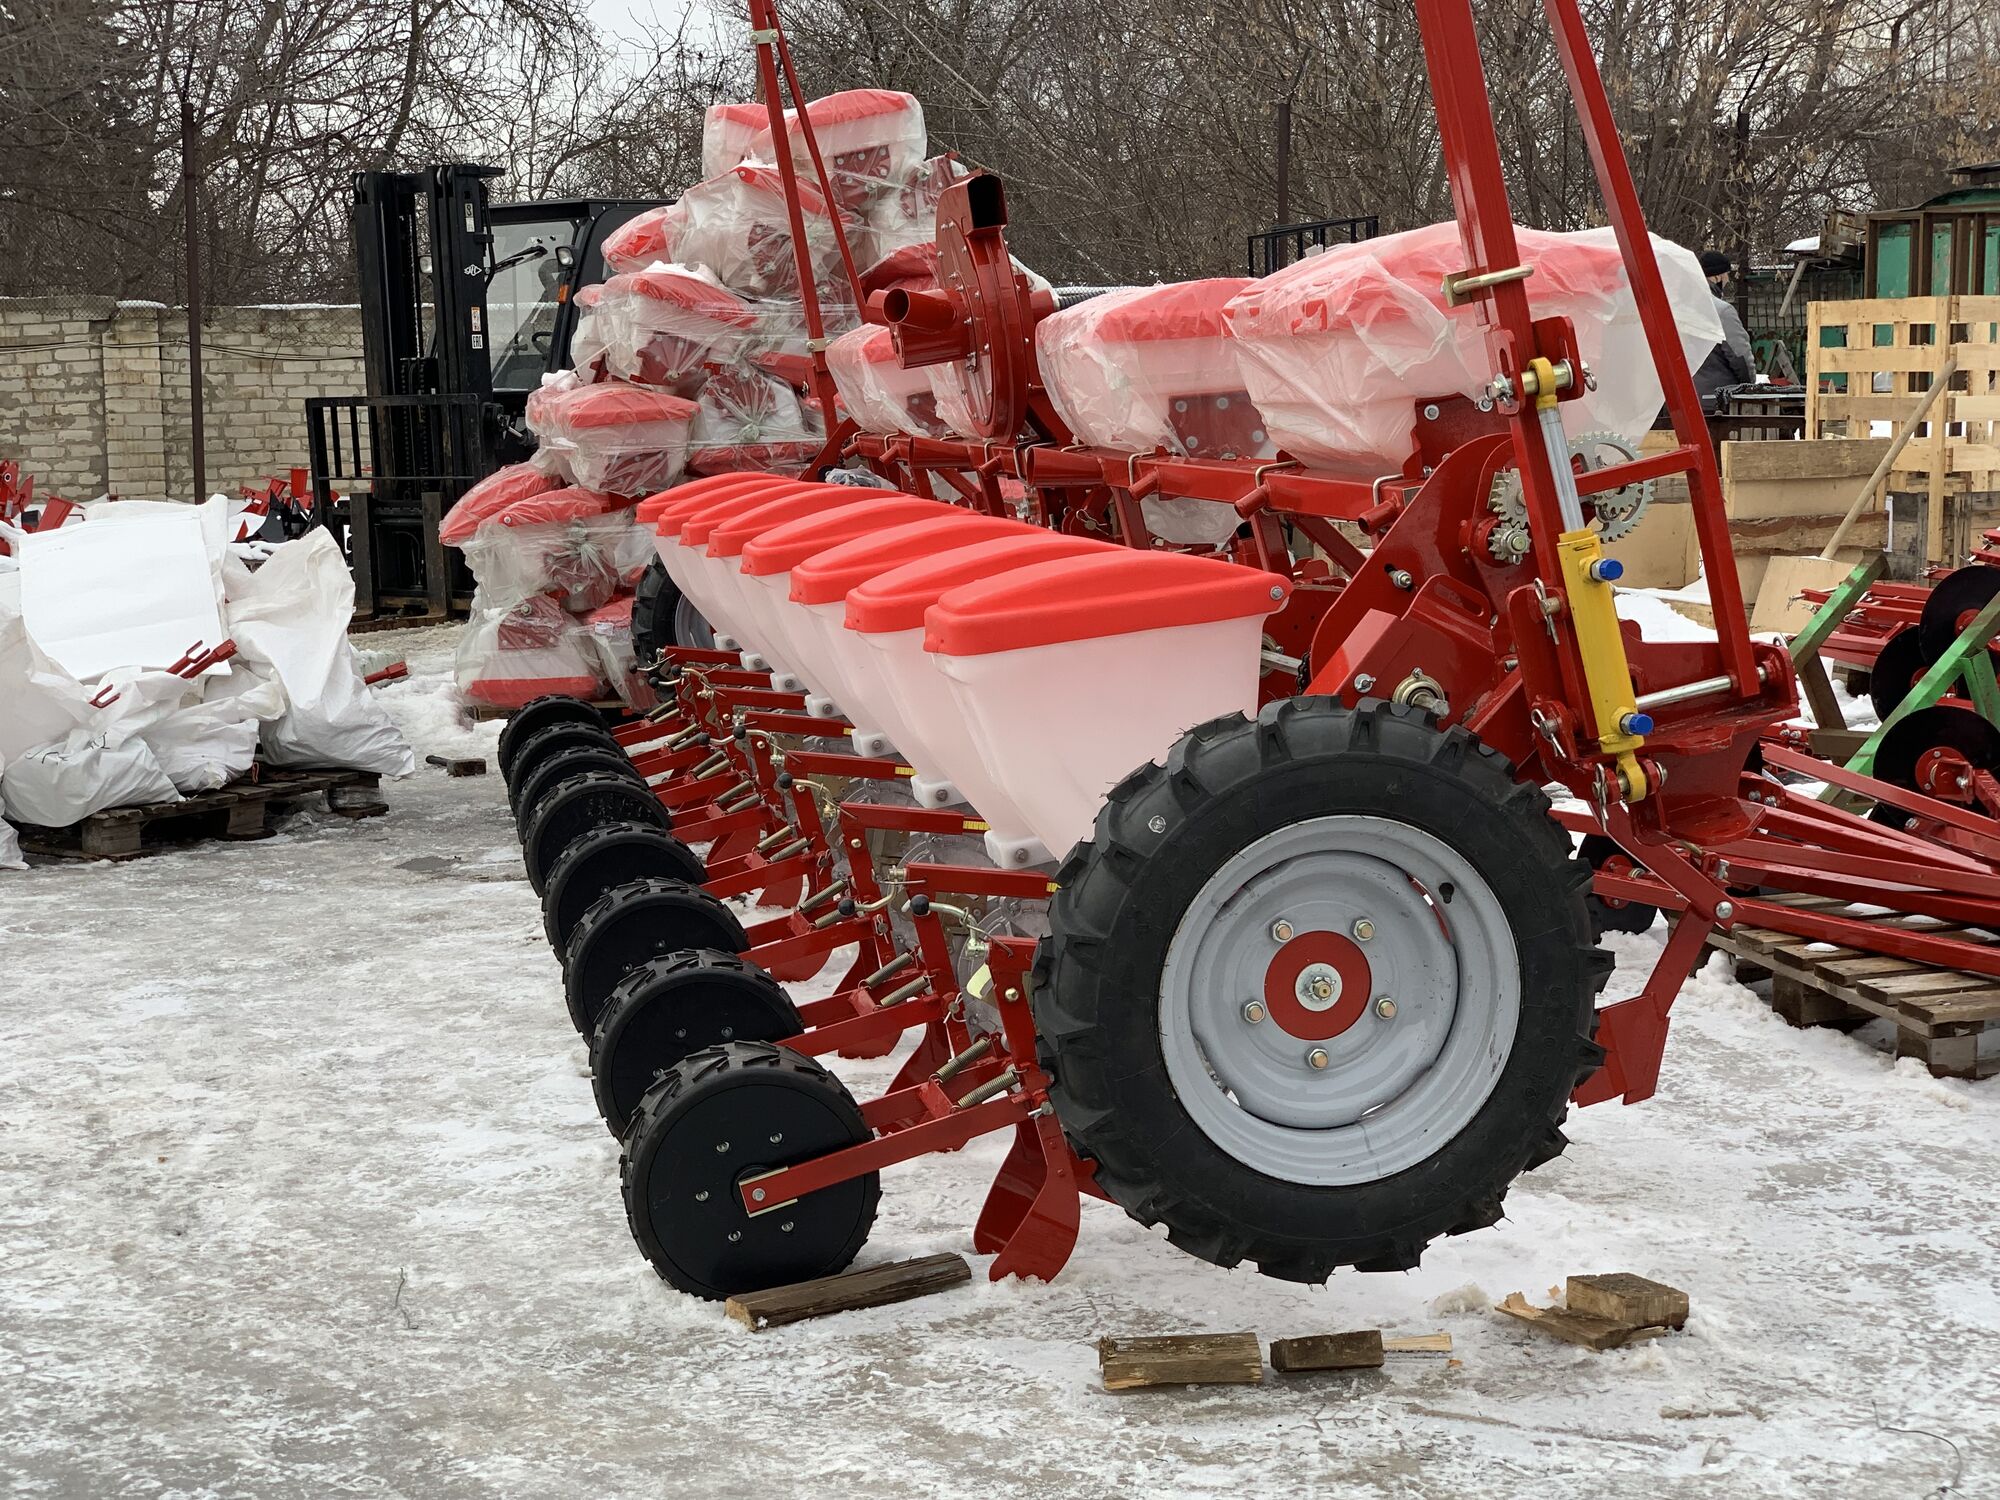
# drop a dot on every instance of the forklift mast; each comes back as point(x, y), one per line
point(465, 305)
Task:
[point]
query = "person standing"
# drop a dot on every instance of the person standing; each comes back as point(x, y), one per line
point(1729, 362)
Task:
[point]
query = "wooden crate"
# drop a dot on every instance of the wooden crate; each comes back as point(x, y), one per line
point(1785, 499)
point(1868, 360)
point(242, 810)
point(1949, 1019)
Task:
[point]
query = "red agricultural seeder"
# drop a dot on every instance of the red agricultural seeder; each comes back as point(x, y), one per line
point(1215, 863)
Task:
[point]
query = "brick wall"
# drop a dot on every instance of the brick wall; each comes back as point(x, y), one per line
point(93, 393)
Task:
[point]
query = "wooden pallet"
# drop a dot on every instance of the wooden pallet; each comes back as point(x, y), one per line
point(481, 713)
point(1949, 1019)
point(242, 810)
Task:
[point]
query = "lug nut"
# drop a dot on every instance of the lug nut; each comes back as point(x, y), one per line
point(1363, 929)
point(1281, 932)
point(1724, 911)
point(1317, 1058)
point(1254, 1012)
point(1386, 1008)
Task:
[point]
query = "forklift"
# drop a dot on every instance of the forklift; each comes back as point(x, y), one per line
point(465, 305)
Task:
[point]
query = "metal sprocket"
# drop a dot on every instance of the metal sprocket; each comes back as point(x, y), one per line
point(1615, 512)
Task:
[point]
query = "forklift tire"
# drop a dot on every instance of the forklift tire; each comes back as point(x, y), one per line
point(552, 771)
point(723, 1115)
point(626, 927)
point(540, 713)
point(669, 1008)
point(604, 859)
point(573, 809)
point(1318, 989)
point(553, 739)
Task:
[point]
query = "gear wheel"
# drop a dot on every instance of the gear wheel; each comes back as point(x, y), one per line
point(1617, 511)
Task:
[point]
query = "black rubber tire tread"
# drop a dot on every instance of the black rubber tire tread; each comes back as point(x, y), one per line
point(551, 740)
point(626, 927)
point(573, 809)
point(535, 783)
point(604, 859)
point(684, 1086)
point(653, 602)
point(672, 1007)
point(1122, 894)
point(539, 713)
point(1633, 916)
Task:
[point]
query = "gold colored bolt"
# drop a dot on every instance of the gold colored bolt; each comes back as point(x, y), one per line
point(1254, 1012)
point(1281, 931)
point(1363, 929)
point(1317, 1058)
point(1385, 1008)
point(1322, 989)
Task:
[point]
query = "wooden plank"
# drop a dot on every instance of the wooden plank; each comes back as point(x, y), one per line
point(470, 765)
point(1180, 1359)
point(1954, 1010)
point(1359, 1350)
point(1577, 1328)
point(1625, 1298)
point(875, 1286)
point(1829, 458)
point(1418, 1343)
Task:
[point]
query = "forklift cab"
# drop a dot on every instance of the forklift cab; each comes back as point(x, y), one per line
point(465, 305)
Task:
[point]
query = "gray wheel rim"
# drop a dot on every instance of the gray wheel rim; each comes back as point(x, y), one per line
point(690, 629)
point(1388, 1091)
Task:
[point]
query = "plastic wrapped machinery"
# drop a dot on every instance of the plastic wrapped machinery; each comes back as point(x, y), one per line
point(587, 342)
point(512, 654)
point(749, 422)
point(615, 437)
point(1337, 349)
point(879, 394)
point(871, 140)
point(574, 545)
point(732, 134)
point(642, 240)
point(663, 326)
point(1152, 368)
point(736, 225)
point(486, 499)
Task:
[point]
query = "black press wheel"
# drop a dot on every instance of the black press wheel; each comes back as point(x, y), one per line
point(604, 859)
point(669, 1008)
point(573, 809)
point(539, 713)
point(534, 784)
point(626, 927)
point(1317, 990)
point(1898, 665)
point(549, 741)
point(1606, 914)
point(724, 1115)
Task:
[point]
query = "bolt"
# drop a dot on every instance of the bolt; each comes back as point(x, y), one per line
point(1722, 869)
point(1724, 911)
point(1277, 591)
point(786, 1226)
point(1281, 931)
point(1363, 929)
point(1386, 1008)
point(1363, 682)
point(1430, 412)
point(777, 1138)
point(702, 1196)
point(854, 843)
point(1157, 823)
point(1401, 577)
point(1322, 989)
point(1317, 1058)
point(721, 1147)
point(756, 1195)
point(735, 1235)
point(1254, 1012)
point(1010, 993)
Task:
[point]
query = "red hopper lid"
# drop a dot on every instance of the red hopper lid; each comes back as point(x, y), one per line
point(833, 573)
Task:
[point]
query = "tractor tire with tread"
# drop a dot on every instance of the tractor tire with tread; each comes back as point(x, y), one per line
point(1229, 789)
point(573, 809)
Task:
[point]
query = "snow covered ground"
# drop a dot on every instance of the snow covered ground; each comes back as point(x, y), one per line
point(302, 1194)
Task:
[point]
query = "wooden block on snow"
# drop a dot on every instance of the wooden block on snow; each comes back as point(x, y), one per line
point(1180, 1359)
point(877, 1286)
point(1418, 1343)
point(1360, 1350)
point(1576, 1327)
point(1625, 1298)
point(469, 765)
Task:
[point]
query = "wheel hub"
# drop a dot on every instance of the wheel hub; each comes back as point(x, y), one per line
point(1317, 985)
point(1366, 1055)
